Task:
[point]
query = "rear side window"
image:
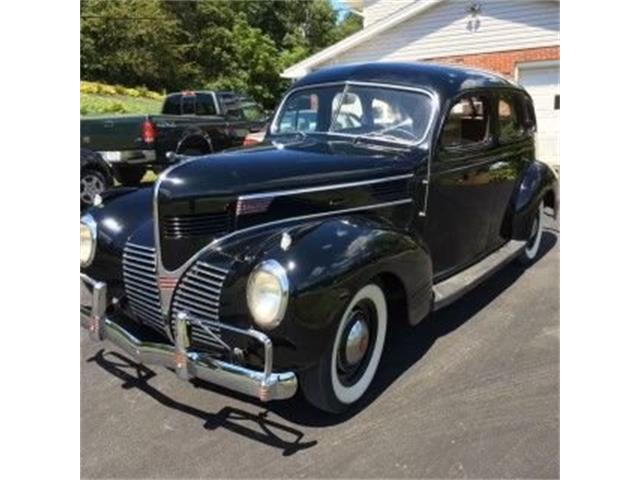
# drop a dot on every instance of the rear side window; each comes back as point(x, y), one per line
point(204, 104)
point(467, 123)
point(172, 105)
point(188, 105)
point(509, 119)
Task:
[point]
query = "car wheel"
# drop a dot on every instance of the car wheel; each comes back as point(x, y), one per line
point(92, 182)
point(531, 250)
point(346, 371)
point(130, 176)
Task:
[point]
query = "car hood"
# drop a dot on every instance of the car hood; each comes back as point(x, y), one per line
point(206, 197)
point(276, 166)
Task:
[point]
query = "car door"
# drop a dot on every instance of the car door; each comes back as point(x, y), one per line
point(514, 150)
point(460, 204)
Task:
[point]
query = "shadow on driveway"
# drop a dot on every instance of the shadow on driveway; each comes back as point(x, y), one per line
point(405, 346)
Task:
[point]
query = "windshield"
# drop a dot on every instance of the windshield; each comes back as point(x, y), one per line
point(361, 111)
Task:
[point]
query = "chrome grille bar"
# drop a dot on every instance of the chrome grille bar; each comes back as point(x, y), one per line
point(140, 284)
point(198, 294)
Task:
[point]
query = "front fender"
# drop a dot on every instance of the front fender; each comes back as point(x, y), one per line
point(120, 213)
point(537, 184)
point(327, 262)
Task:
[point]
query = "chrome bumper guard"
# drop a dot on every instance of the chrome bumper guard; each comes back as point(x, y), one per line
point(186, 363)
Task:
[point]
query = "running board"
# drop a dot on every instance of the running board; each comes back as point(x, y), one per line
point(454, 287)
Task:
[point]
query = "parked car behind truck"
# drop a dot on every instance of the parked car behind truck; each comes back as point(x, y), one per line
point(191, 123)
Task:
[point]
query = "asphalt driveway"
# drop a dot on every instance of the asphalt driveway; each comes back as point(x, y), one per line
point(471, 392)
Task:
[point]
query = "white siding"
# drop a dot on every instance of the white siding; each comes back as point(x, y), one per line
point(375, 10)
point(448, 29)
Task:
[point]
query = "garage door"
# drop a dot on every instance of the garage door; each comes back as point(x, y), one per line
point(543, 84)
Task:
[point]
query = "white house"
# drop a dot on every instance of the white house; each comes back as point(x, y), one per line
point(517, 38)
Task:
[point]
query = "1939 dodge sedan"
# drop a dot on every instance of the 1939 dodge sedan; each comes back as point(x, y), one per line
point(382, 191)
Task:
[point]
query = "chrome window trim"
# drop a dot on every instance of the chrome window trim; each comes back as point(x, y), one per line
point(346, 83)
point(323, 188)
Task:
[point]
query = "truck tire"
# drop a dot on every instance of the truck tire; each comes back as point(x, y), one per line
point(130, 176)
point(93, 182)
point(346, 370)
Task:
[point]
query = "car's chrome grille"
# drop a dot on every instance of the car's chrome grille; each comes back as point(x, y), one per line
point(140, 284)
point(185, 226)
point(198, 294)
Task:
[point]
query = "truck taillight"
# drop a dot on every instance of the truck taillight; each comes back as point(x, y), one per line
point(148, 131)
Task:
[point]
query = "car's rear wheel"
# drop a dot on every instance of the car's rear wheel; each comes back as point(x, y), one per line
point(346, 371)
point(92, 182)
point(532, 249)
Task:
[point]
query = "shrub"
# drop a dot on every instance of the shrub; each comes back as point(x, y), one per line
point(104, 89)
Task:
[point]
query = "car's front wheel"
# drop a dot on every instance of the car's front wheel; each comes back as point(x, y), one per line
point(346, 371)
point(532, 249)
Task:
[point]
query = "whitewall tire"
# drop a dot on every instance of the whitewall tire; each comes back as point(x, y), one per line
point(346, 371)
point(532, 249)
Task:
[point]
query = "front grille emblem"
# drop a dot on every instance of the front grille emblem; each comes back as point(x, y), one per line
point(167, 283)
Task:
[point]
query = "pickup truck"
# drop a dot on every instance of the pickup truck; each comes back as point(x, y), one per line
point(191, 123)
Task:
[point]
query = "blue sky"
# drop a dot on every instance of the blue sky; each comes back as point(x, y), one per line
point(339, 6)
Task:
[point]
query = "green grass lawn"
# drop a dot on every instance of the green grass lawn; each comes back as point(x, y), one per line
point(149, 177)
point(92, 104)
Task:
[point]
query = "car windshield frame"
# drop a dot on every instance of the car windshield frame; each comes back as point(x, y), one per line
point(433, 100)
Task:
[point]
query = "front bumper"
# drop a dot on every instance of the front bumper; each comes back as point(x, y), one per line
point(187, 363)
point(128, 156)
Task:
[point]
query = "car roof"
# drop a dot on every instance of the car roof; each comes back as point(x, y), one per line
point(445, 80)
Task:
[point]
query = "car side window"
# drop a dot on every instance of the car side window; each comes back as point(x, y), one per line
point(301, 114)
point(467, 123)
point(509, 121)
point(172, 105)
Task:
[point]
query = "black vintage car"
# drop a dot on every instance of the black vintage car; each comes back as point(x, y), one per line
point(382, 191)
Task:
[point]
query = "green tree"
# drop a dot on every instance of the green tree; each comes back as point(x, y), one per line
point(133, 43)
point(240, 45)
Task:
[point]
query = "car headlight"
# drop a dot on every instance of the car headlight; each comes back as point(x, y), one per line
point(268, 293)
point(88, 240)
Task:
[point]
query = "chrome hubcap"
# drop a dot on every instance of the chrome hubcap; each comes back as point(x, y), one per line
point(357, 342)
point(90, 186)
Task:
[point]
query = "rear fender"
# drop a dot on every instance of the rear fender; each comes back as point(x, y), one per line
point(538, 184)
point(194, 138)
